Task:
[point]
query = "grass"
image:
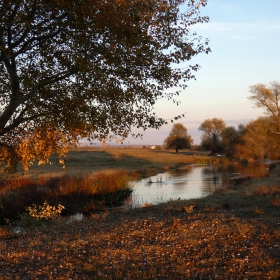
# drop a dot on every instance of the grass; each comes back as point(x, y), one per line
point(84, 186)
point(83, 192)
point(219, 237)
point(149, 162)
point(232, 234)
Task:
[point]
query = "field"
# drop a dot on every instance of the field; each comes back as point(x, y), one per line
point(90, 179)
point(144, 160)
point(232, 234)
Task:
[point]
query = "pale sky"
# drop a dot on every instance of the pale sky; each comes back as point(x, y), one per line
point(245, 42)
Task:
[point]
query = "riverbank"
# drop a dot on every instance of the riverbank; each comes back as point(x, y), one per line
point(232, 234)
point(147, 161)
point(92, 179)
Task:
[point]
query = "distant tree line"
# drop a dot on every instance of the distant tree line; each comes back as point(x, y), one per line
point(259, 139)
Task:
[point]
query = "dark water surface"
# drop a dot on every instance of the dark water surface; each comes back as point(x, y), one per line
point(193, 182)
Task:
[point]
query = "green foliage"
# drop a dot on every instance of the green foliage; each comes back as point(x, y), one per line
point(217, 137)
point(178, 138)
point(206, 143)
point(89, 69)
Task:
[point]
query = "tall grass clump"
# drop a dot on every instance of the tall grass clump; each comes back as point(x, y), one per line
point(265, 190)
point(82, 192)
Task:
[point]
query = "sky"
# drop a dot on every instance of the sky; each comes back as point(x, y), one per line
point(245, 42)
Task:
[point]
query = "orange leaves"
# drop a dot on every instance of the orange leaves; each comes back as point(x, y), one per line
point(90, 68)
point(178, 138)
point(41, 144)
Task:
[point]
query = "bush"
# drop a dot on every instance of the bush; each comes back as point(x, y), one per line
point(76, 193)
point(45, 211)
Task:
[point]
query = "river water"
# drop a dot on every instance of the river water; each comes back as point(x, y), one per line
point(192, 182)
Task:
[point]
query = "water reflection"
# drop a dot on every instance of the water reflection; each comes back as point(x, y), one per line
point(192, 182)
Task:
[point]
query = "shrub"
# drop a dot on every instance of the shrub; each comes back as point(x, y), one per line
point(45, 211)
point(76, 193)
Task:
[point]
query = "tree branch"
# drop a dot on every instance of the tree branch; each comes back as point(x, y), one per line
point(54, 78)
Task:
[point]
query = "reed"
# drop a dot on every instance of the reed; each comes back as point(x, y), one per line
point(93, 178)
point(80, 192)
point(231, 234)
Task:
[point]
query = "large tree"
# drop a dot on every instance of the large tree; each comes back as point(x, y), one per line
point(268, 98)
point(211, 137)
point(88, 68)
point(178, 138)
point(230, 138)
point(258, 142)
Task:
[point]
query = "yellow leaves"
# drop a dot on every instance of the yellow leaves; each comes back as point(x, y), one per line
point(37, 144)
point(45, 211)
point(27, 158)
point(189, 208)
point(258, 142)
point(268, 98)
point(41, 145)
point(91, 76)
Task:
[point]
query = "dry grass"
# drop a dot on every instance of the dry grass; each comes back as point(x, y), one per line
point(81, 192)
point(149, 243)
point(89, 172)
point(265, 190)
point(232, 234)
point(147, 161)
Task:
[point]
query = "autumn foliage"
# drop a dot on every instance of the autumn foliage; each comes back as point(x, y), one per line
point(178, 138)
point(89, 69)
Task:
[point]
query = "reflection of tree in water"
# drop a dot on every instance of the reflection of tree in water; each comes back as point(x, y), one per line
point(190, 181)
point(210, 184)
point(213, 178)
point(257, 169)
point(179, 185)
point(158, 179)
point(176, 176)
point(217, 176)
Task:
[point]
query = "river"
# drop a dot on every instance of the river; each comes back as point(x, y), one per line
point(192, 182)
